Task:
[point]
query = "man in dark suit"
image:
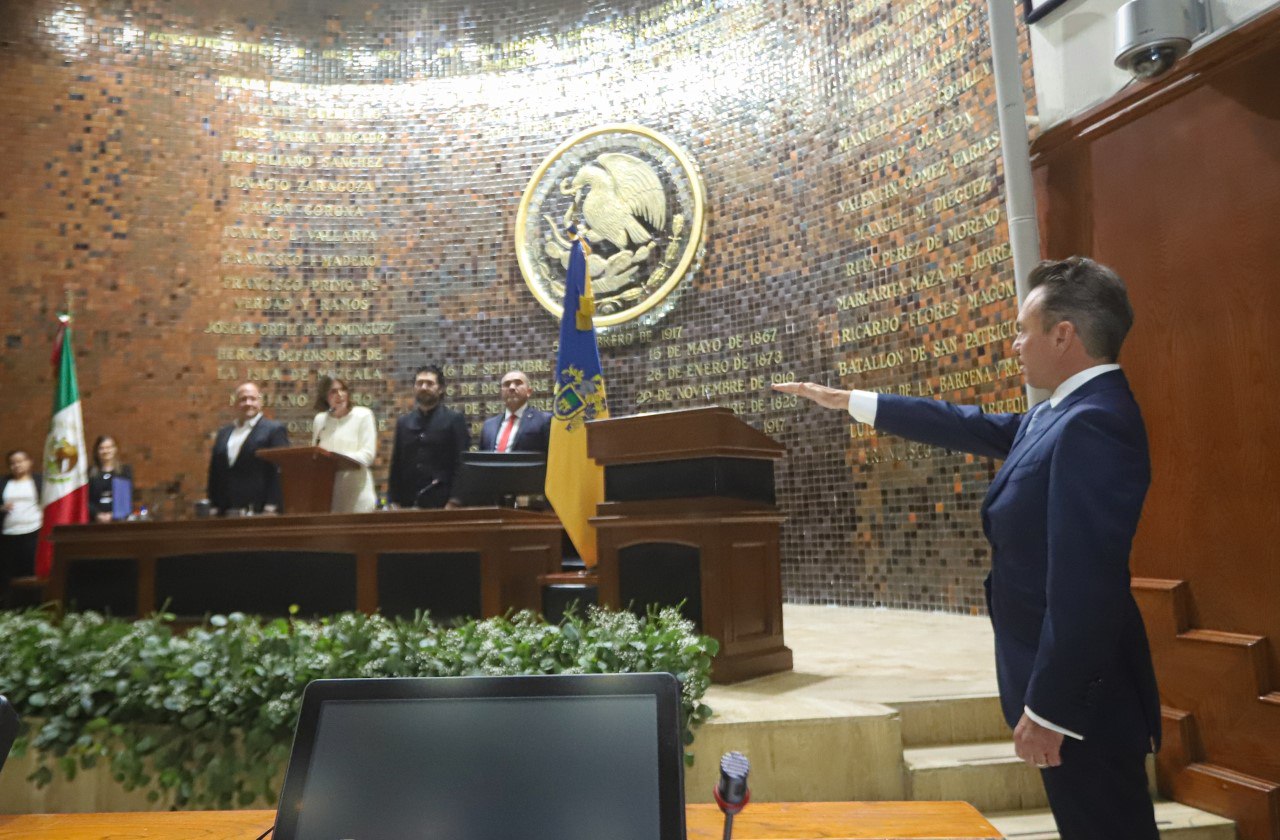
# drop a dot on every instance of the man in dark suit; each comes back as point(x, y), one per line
point(428, 446)
point(1072, 660)
point(238, 479)
point(522, 427)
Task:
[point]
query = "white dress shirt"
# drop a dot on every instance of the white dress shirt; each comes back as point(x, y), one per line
point(515, 427)
point(238, 436)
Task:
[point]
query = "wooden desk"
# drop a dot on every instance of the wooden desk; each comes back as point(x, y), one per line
point(760, 821)
point(354, 564)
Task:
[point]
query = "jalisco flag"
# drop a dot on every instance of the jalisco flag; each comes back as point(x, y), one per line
point(575, 483)
point(66, 469)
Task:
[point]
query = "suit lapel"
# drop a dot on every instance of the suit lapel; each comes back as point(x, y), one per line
point(255, 438)
point(1028, 442)
point(220, 444)
point(522, 431)
point(251, 441)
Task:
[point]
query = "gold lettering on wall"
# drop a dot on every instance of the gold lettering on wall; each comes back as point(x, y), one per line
point(862, 265)
point(997, 291)
point(880, 160)
point(959, 380)
point(992, 256)
point(976, 151)
point(1017, 405)
point(983, 336)
point(343, 304)
point(352, 162)
point(319, 185)
point(868, 198)
point(876, 361)
point(968, 192)
point(264, 304)
point(893, 256)
point(875, 294)
point(947, 128)
point(268, 159)
point(972, 227)
point(940, 62)
point(864, 7)
point(316, 210)
point(871, 329)
point(937, 312)
point(879, 227)
point(950, 91)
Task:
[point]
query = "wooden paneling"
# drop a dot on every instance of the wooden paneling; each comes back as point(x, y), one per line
point(1223, 676)
point(1176, 185)
point(513, 547)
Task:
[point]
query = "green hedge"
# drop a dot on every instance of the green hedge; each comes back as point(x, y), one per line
point(204, 718)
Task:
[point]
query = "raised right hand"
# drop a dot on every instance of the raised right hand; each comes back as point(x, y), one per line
point(821, 394)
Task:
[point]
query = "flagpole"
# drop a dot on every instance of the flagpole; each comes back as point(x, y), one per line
point(64, 496)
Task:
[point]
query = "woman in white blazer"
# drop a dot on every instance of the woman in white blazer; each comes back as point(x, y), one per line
point(348, 430)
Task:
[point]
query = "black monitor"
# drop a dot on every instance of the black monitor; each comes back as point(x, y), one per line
point(489, 479)
point(8, 728)
point(565, 757)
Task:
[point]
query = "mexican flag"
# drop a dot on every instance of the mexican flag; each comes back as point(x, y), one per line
point(66, 460)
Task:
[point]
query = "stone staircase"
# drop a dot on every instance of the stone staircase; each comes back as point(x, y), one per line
point(959, 748)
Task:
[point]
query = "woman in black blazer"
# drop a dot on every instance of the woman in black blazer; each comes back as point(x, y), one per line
point(110, 482)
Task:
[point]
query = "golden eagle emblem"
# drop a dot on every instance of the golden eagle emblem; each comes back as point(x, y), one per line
point(639, 204)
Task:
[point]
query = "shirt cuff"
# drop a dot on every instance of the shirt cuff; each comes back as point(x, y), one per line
point(1047, 725)
point(862, 406)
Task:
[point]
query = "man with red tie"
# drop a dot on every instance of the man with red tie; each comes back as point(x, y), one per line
point(522, 427)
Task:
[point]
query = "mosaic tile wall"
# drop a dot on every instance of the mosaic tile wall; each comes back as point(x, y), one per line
point(271, 190)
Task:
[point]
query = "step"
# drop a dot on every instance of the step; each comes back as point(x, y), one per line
point(951, 720)
point(1175, 821)
point(987, 774)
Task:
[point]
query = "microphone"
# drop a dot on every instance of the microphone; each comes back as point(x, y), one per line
point(732, 793)
point(417, 498)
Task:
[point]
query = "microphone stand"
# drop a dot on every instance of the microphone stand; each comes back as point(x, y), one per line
point(732, 793)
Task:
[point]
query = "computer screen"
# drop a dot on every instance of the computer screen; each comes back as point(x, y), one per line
point(488, 758)
point(497, 478)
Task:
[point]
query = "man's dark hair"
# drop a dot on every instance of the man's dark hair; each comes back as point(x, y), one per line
point(430, 369)
point(1089, 295)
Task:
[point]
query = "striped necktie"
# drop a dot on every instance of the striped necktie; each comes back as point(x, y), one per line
point(1037, 416)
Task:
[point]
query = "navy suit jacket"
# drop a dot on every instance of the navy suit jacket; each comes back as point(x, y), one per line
point(534, 434)
point(1060, 516)
point(250, 481)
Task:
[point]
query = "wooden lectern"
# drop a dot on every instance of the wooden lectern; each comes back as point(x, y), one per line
point(306, 475)
point(690, 515)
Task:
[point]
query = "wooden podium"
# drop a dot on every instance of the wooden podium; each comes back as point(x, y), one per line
point(306, 475)
point(690, 515)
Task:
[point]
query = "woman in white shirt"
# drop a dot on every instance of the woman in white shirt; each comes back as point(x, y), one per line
point(22, 517)
point(348, 430)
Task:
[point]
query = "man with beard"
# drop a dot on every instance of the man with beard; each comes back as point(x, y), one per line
point(522, 427)
point(428, 446)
